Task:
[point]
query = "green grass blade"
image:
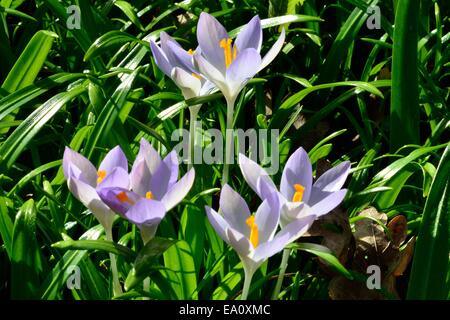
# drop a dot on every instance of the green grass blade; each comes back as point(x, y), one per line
point(6, 226)
point(404, 121)
point(431, 256)
point(25, 258)
point(30, 62)
point(102, 245)
point(19, 139)
point(179, 259)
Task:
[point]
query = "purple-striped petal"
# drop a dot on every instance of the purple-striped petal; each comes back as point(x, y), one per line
point(118, 199)
point(88, 196)
point(160, 58)
point(273, 52)
point(219, 224)
point(333, 179)
point(298, 170)
point(328, 202)
point(159, 184)
point(114, 158)
point(252, 172)
point(87, 172)
point(239, 242)
point(291, 211)
point(209, 35)
point(243, 69)
point(117, 178)
point(146, 212)
point(140, 177)
point(250, 36)
point(235, 210)
point(210, 72)
point(150, 155)
point(266, 218)
point(179, 190)
point(178, 57)
point(171, 160)
point(287, 235)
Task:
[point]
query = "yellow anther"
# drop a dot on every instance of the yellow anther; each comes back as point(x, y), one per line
point(191, 52)
point(149, 195)
point(196, 75)
point(101, 174)
point(229, 54)
point(298, 195)
point(254, 238)
point(123, 197)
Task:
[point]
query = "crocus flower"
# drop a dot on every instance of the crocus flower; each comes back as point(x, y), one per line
point(84, 180)
point(230, 66)
point(177, 64)
point(298, 194)
point(253, 236)
point(155, 189)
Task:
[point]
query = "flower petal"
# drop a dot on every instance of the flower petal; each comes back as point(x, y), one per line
point(243, 69)
point(87, 173)
point(239, 242)
point(160, 58)
point(150, 155)
point(273, 52)
point(251, 172)
point(209, 34)
point(117, 178)
point(250, 36)
point(211, 72)
point(179, 190)
point(219, 224)
point(291, 211)
point(179, 57)
point(118, 199)
point(146, 212)
point(189, 85)
point(328, 202)
point(88, 196)
point(207, 88)
point(114, 158)
point(298, 170)
point(287, 235)
point(140, 177)
point(160, 182)
point(234, 209)
point(266, 218)
point(333, 179)
point(171, 160)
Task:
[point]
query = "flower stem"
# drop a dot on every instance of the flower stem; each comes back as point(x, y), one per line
point(117, 289)
point(247, 282)
point(229, 143)
point(192, 120)
point(283, 267)
point(146, 286)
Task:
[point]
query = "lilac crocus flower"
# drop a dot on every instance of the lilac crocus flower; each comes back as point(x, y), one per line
point(84, 180)
point(298, 194)
point(155, 189)
point(253, 236)
point(230, 66)
point(177, 64)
